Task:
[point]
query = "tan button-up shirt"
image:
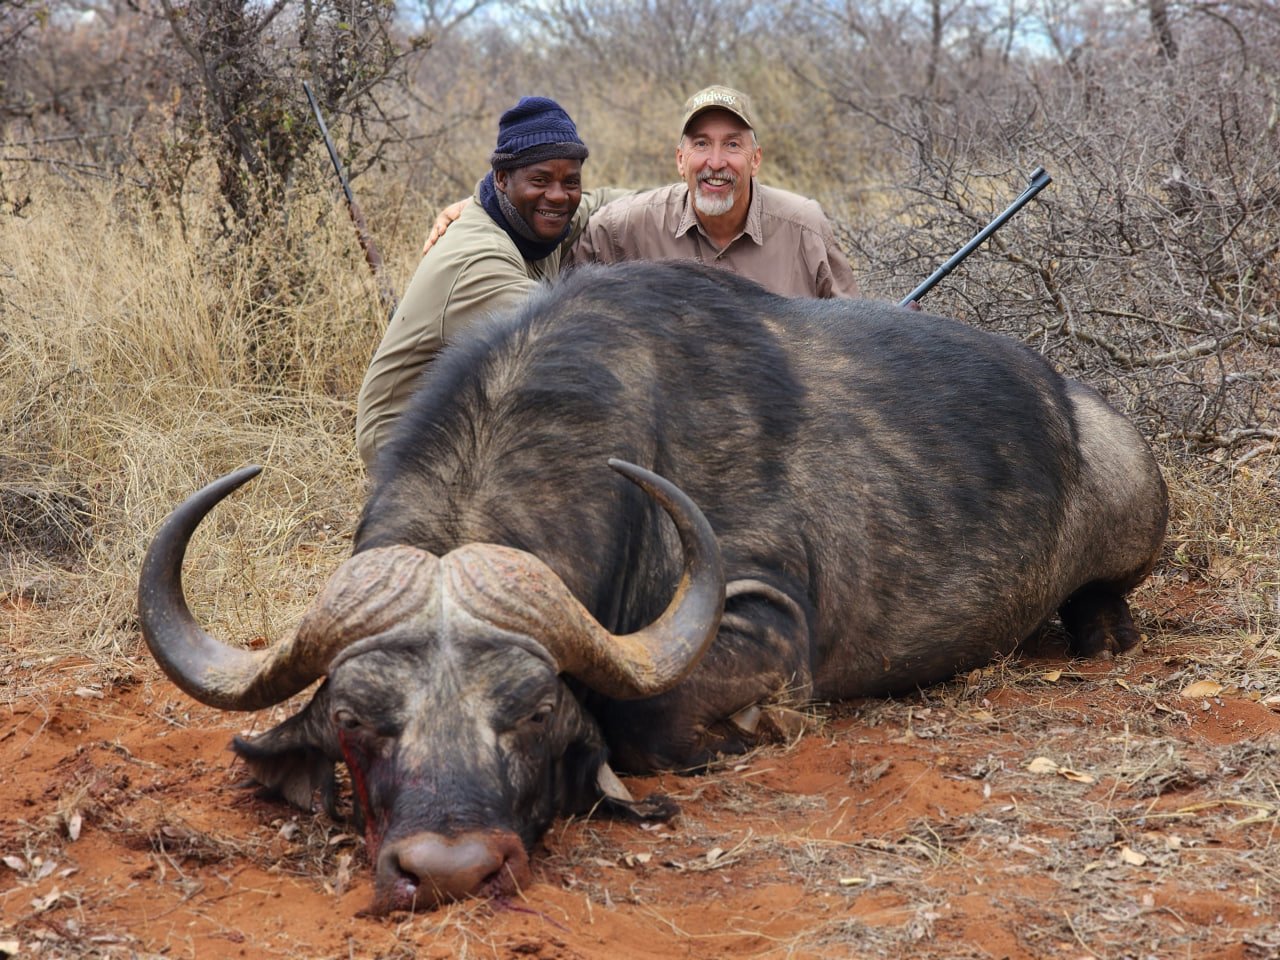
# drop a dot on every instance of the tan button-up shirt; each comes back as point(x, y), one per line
point(786, 245)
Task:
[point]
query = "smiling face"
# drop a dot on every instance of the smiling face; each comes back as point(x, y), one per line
point(546, 194)
point(717, 157)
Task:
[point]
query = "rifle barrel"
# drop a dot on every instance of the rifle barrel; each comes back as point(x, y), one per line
point(371, 254)
point(1039, 180)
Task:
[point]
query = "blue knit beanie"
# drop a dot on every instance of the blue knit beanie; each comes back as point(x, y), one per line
point(534, 130)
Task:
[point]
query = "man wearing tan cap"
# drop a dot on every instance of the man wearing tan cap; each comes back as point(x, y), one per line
point(720, 214)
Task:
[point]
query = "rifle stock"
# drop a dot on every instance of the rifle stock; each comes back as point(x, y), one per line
point(1039, 180)
point(371, 254)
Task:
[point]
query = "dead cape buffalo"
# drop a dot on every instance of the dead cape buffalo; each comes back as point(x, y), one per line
point(865, 500)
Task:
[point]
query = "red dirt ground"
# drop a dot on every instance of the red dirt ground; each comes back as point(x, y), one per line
point(1038, 808)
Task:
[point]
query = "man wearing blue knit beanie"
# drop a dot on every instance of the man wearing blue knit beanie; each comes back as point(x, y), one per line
point(527, 208)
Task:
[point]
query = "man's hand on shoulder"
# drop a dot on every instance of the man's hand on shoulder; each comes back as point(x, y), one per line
point(447, 216)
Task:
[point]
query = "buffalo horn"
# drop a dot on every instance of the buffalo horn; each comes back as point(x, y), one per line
point(517, 591)
point(369, 593)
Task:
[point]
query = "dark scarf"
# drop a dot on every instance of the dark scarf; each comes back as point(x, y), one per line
point(502, 212)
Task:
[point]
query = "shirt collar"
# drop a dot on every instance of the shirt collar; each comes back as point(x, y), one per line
point(753, 227)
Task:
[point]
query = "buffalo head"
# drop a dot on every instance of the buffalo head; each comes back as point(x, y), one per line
point(444, 691)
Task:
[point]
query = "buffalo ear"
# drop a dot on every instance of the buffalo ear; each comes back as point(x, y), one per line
point(291, 762)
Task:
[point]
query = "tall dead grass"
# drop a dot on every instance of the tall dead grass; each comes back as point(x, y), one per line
point(140, 357)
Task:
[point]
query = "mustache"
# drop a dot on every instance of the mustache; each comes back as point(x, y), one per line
point(719, 175)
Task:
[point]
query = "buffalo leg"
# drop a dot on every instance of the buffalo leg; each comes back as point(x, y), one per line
point(1098, 621)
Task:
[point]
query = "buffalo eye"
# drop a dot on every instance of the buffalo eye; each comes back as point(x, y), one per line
point(366, 738)
point(539, 716)
point(345, 719)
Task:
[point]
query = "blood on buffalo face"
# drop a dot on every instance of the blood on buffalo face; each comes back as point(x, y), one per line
point(460, 751)
point(443, 691)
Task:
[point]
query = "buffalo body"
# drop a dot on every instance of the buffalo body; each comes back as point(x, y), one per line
point(895, 497)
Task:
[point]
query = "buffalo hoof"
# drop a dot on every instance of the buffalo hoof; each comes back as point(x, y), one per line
point(1098, 622)
point(770, 722)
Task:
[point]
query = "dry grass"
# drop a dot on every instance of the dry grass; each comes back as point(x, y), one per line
point(138, 361)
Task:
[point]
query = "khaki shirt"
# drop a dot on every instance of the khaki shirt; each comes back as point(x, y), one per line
point(787, 244)
point(472, 272)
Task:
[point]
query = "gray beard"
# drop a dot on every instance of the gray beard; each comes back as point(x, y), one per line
point(712, 206)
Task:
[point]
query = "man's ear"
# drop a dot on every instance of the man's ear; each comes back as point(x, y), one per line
point(500, 178)
point(755, 161)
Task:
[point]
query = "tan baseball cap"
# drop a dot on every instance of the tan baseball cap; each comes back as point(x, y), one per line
point(718, 98)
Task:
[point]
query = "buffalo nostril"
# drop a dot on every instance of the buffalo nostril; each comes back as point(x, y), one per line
point(429, 869)
point(455, 868)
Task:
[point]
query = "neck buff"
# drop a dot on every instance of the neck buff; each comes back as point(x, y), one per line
point(504, 214)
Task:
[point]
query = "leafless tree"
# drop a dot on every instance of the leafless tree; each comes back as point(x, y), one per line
point(1151, 265)
point(241, 68)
